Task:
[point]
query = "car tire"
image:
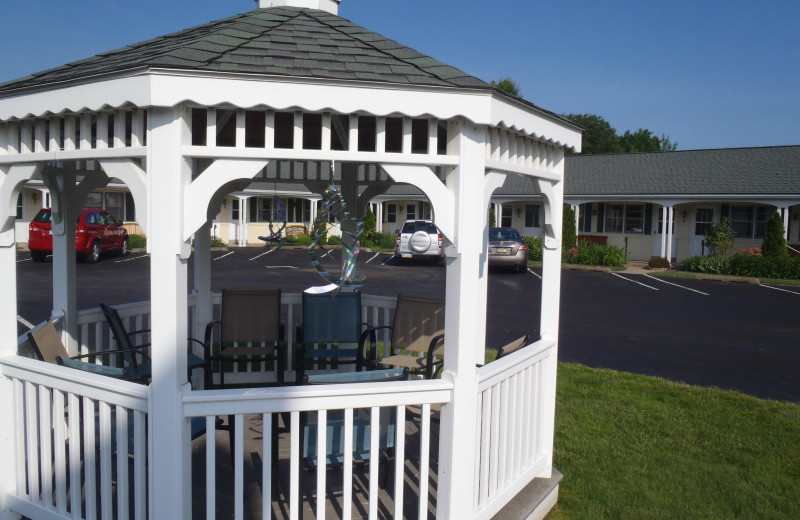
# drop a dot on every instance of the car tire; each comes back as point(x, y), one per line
point(94, 253)
point(419, 242)
point(123, 250)
point(38, 256)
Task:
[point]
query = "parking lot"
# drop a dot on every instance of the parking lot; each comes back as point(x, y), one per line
point(731, 335)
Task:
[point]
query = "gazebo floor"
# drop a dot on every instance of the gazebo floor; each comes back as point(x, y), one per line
point(253, 432)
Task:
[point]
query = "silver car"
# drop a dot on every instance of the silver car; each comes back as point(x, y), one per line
point(418, 239)
point(507, 249)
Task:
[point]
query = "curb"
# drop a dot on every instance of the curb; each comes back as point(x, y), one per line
point(734, 279)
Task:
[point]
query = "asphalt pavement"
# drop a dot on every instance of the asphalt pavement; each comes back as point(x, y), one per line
point(738, 336)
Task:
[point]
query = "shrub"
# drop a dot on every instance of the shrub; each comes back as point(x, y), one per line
point(758, 266)
point(569, 233)
point(379, 240)
point(774, 244)
point(137, 242)
point(719, 264)
point(720, 238)
point(334, 240)
point(658, 262)
point(217, 242)
point(596, 254)
point(492, 218)
point(534, 248)
point(303, 240)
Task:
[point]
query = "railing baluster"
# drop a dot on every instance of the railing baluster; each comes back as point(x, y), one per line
point(399, 460)
point(322, 459)
point(347, 478)
point(238, 467)
point(294, 471)
point(45, 437)
point(374, 461)
point(75, 456)
point(424, 460)
point(60, 438)
point(139, 465)
point(31, 427)
point(211, 468)
point(105, 460)
point(123, 499)
point(89, 458)
point(266, 465)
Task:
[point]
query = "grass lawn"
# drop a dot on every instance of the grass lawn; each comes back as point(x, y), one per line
point(640, 447)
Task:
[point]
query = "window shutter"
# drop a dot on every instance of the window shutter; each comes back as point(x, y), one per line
point(587, 220)
point(252, 203)
point(600, 217)
point(725, 212)
point(648, 219)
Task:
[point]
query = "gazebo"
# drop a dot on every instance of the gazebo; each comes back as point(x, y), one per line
point(287, 91)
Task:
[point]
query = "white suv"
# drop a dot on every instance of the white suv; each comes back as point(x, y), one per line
point(418, 238)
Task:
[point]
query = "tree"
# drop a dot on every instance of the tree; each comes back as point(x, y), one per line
point(568, 231)
point(720, 238)
point(598, 135)
point(774, 244)
point(509, 86)
point(492, 219)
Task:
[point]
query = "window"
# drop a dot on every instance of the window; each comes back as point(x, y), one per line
point(115, 203)
point(750, 221)
point(624, 218)
point(411, 212)
point(235, 210)
point(634, 218)
point(584, 217)
point(505, 218)
point(703, 219)
point(532, 216)
point(614, 217)
point(391, 213)
point(94, 200)
point(425, 210)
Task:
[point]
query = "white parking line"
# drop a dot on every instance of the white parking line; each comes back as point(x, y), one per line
point(25, 322)
point(534, 274)
point(223, 256)
point(264, 253)
point(130, 259)
point(280, 267)
point(373, 258)
point(656, 278)
point(25, 260)
point(634, 281)
point(779, 289)
point(329, 251)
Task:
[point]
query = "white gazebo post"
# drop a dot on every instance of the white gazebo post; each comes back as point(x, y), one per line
point(169, 173)
point(465, 318)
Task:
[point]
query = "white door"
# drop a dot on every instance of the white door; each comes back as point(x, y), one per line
point(703, 219)
point(659, 230)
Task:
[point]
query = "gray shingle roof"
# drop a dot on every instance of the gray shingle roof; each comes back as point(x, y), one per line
point(284, 41)
point(773, 170)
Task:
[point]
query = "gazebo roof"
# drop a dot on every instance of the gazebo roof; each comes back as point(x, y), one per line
point(280, 41)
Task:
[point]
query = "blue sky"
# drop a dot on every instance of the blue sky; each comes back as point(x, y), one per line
point(707, 73)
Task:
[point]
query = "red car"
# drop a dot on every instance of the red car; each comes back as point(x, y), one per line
point(97, 231)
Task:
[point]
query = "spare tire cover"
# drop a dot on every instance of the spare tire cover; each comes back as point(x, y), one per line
point(420, 242)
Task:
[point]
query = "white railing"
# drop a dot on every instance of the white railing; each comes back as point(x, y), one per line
point(80, 443)
point(511, 450)
point(94, 333)
point(376, 400)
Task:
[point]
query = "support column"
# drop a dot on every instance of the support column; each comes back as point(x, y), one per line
point(785, 215)
point(465, 312)
point(169, 447)
point(577, 209)
point(668, 227)
point(244, 211)
point(202, 280)
point(8, 347)
point(664, 232)
point(379, 217)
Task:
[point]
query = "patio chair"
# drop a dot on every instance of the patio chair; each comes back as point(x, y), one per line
point(512, 347)
point(250, 330)
point(330, 319)
point(144, 370)
point(47, 346)
point(417, 336)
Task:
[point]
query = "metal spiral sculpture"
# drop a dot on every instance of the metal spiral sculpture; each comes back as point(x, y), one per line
point(334, 205)
point(276, 235)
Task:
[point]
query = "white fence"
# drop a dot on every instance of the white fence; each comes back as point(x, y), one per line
point(513, 398)
point(78, 436)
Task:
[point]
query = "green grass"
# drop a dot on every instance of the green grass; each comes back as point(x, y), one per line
point(640, 447)
point(687, 274)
